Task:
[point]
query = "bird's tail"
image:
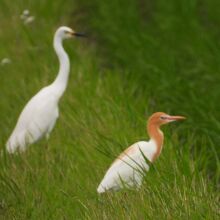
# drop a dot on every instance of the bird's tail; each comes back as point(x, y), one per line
point(16, 142)
point(11, 146)
point(100, 189)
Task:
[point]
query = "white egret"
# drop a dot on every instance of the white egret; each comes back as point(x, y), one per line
point(40, 114)
point(127, 169)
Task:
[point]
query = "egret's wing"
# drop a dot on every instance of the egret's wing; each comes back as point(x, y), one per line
point(37, 106)
point(34, 121)
point(127, 168)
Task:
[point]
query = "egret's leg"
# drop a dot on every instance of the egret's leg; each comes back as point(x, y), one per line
point(47, 136)
point(49, 130)
point(51, 126)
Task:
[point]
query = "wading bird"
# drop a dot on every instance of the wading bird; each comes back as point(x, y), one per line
point(128, 169)
point(40, 114)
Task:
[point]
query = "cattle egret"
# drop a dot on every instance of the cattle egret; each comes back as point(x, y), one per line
point(40, 114)
point(127, 170)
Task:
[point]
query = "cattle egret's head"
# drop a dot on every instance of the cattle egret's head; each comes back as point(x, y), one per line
point(160, 118)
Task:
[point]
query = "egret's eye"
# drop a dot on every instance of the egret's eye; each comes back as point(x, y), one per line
point(163, 117)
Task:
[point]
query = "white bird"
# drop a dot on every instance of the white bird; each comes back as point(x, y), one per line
point(128, 169)
point(40, 114)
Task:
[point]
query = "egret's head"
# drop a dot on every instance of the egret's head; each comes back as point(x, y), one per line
point(160, 118)
point(66, 32)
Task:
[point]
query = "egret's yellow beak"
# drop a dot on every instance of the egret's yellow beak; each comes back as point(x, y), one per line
point(176, 118)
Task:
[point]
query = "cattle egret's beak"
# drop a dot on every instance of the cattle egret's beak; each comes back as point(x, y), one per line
point(176, 118)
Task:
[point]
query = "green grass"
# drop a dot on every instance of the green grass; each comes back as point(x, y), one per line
point(141, 57)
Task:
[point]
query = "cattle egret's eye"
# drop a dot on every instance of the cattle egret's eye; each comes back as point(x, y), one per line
point(163, 117)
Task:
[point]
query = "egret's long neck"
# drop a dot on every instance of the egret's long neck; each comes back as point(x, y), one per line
point(62, 78)
point(156, 135)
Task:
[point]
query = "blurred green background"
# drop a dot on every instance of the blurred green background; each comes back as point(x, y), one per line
point(141, 56)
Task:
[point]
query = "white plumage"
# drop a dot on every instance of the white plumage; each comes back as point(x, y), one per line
point(128, 169)
point(40, 114)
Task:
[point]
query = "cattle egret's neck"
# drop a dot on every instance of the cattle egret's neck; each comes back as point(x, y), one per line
point(62, 78)
point(156, 135)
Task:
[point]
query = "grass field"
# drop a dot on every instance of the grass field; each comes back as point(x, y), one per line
point(140, 57)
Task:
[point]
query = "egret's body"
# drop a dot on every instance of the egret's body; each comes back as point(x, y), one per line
point(128, 169)
point(40, 114)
